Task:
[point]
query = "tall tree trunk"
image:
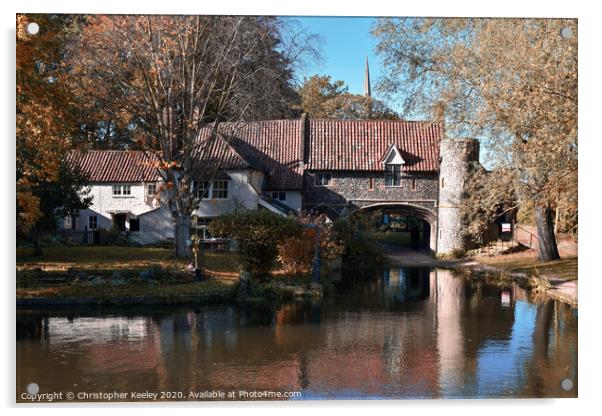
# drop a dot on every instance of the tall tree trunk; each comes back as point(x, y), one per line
point(547, 247)
point(182, 236)
point(37, 245)
point(557, 216)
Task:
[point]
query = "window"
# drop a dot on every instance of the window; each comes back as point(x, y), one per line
point(279, 196)
point(323, 179)
point(442, 183)
point(151, 189)
point(134, 224)
point(220, 190)
point(92, 222)
point(122, 190)
point(392, 175)
point(201, 189)
point(413, 184)
point(202, 227)
point(371, 184)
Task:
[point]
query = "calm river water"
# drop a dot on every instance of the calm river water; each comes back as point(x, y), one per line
point(410, 333)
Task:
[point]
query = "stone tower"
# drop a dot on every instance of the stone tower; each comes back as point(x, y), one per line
point(456, 156)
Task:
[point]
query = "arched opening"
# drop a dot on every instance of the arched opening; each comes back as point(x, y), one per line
point(403, 225)
point(330, 213)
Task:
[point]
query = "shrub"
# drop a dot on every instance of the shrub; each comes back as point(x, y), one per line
point(114, 237)
point(257, 233)
point(296, 253)
point(360, 254)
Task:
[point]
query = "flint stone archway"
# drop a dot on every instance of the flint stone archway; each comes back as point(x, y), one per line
point(429, 216)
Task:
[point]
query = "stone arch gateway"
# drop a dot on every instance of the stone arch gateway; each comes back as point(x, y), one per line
point(428, 216)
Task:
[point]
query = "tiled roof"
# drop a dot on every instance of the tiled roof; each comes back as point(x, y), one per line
point(271, 146)
point(361, 144)
point(276, 147)
point(115, 165)
point(220, 152)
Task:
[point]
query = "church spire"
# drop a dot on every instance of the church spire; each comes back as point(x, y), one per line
point(367, 91)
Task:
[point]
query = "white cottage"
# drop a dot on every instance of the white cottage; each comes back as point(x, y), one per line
point(262, 168)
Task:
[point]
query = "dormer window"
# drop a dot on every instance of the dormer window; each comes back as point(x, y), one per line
point(393, 162)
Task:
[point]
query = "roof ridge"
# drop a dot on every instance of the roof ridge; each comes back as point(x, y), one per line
point(110, 151)
point(368, 120)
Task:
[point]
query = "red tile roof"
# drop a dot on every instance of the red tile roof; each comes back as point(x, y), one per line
point(273, 146)
point(220, 153)
point(361, 144)
point(116, 165)
point(277, 148)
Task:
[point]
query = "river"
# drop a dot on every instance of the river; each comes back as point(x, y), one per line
point(407, 333)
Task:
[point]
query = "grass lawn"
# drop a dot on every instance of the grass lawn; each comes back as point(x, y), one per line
point(169, 293)
point(527, 263)
point(114, 258)
point(51, 276)
point(56, 275)
point(394, 238)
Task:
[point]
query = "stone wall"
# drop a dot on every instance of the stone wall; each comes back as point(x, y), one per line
point(351, 190)
point(456, 155)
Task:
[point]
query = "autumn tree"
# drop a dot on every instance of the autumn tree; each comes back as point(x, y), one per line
point(45, 124)
point(510, 82)
point(170, 77)
point(323, 98)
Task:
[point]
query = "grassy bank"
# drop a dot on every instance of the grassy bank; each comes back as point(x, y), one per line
point(393, 238)
point(118, 258)
point(527, 263)
point(134, 275)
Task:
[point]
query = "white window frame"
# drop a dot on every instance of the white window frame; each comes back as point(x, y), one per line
point(119, 191)
point(210, 190)
point(68, 222)
point(278, 194)
point(148, 186)
point(206, 189)
point(203, 228)
point(319, 178)
point(226, 189)
point(393, 173)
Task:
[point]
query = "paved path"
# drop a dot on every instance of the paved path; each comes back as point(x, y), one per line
point(403, 256)
point(562, 289)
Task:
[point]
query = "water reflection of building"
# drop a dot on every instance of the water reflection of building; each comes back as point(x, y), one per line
point(406, 284)
point(420, 334)
point(448, 297)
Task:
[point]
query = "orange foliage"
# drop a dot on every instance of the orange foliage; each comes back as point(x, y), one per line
point(44, 125)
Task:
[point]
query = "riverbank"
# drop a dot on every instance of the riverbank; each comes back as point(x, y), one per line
point(127, 276)
point(559, 278)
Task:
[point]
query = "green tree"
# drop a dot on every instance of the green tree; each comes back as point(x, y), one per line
point(257, 233)
point(323, 98)
point(59, 198)
point(510, 82)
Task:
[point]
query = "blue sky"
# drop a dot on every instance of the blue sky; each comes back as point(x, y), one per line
point(347, 42)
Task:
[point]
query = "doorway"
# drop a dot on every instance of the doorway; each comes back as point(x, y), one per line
point(119, 221)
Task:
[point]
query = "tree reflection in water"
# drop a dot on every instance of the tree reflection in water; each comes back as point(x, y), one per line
point(408, 333)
